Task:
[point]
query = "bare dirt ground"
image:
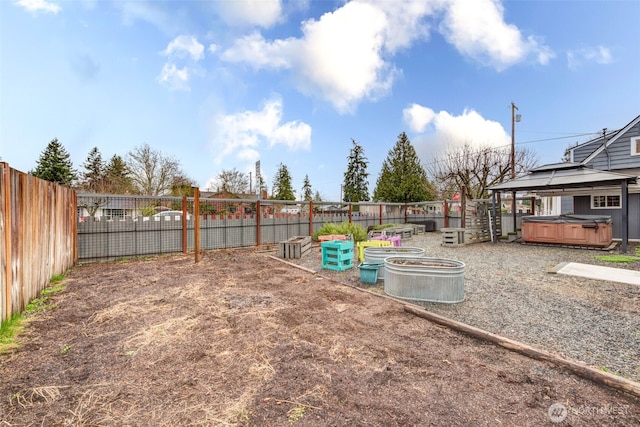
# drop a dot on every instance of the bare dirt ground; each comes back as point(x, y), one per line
point(243, 339)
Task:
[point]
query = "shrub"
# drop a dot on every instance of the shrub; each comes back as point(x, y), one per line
point(383, 226)
point(358, 232)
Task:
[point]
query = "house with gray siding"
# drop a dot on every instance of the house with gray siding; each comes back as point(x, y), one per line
point(615, 151)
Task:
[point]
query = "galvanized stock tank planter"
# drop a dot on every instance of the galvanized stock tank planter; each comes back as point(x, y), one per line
point(377, 255)
point(424, 279)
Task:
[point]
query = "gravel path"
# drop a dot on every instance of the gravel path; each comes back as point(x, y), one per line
point(509, 291)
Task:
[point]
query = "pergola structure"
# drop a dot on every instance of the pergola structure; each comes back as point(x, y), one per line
point(568, 177)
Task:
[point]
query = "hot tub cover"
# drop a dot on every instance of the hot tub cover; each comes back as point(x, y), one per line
point(569, 218)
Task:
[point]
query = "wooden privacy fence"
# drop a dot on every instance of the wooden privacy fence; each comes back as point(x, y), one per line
point(38, 232)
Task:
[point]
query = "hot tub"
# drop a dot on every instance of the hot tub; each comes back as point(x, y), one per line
point(583, 230)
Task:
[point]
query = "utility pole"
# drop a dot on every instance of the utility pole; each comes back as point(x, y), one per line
point(514, 118)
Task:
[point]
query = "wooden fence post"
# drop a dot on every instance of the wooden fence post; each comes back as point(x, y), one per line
point(184, 224)
point(463, 207)
point(446, 213)
point(311, 218)
point(6, 204)
point(258, 222)
point(196, 229)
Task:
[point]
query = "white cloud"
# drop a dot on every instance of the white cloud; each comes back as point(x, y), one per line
point(450, 131)
point(185, 45)
point(174, 78)
point(244, 133)
point(212, 48)
point(418, 117)
point(406, 20)
point(478, 30)
point(146, 11)
point(339, 58)
point(262, 13)
point(180, 47)
point(39, 5)
point(598, 54)
point(344, 57)
point(259, 53)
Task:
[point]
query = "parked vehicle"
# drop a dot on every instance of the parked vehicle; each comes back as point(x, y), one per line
point(172, 215)
point(291, 210)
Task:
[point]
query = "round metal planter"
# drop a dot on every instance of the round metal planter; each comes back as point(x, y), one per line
point(424, 279)
point(376, 255)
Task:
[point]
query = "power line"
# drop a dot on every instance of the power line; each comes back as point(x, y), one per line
point(502, 147)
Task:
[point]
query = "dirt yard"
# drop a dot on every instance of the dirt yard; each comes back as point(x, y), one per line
point(243, 339)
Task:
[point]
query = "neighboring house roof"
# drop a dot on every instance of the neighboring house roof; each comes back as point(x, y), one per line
point(600, 145)
point(593, 144)
point(564, 175)
point(228, 195)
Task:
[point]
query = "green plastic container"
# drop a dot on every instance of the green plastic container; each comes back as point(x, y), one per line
point(369, 272)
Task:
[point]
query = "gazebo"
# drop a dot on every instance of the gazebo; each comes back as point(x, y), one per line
point(565, 178)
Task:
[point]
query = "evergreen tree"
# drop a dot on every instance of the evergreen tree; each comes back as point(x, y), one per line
point(94, 175)
point(117, 177)
point(55, 165)
point(317, 197)
point(356, 186)
point(402, 178)
point(307, 193)
point(282, 189)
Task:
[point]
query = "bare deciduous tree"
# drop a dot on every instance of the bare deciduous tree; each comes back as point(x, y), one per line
point(152, 173)
point(477, 169)
point(232, 181)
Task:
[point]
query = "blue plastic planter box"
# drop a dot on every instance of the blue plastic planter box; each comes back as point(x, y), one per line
point(369, 272)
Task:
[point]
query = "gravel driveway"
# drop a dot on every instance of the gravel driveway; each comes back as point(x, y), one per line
point(510, 291)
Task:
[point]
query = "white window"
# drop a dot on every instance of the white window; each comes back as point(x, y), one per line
point(635, 145)
point(605, 201)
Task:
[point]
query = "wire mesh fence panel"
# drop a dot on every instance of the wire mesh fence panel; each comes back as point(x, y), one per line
point(112, 227)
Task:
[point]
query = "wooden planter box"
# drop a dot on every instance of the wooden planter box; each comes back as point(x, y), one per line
point(294, 247)
point(452, 236)
point(337, 255)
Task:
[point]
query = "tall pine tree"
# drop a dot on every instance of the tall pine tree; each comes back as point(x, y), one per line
point(307, 192)
point(402, 178)
point(356, 185)
point(282, 189)
point(117, 176)
point(94, 175)
point(55, 165)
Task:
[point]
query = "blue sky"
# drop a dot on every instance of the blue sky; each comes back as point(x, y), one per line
point(221, 84)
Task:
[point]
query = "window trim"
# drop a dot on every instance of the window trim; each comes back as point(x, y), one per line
point(606, 200)
point(634, 145)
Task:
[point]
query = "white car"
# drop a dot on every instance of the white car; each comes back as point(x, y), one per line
point(291, 210)
point(171, 215)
